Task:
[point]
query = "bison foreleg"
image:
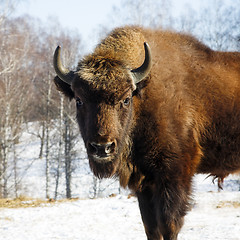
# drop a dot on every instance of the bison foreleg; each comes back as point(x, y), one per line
point(163, 209)
point(148, 213)
point(172, 204)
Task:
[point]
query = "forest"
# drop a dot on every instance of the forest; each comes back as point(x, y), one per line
point(30, 103)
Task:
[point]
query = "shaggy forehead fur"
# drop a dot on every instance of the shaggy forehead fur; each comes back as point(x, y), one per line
point(105, 74)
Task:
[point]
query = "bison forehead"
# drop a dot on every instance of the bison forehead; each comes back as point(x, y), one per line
point(106, 74)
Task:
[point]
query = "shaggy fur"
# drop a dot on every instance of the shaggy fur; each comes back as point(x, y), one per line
point(181, 120)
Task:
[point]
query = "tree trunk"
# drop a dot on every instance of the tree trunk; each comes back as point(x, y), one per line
point(48, 137)
point(68, 170)
point(59, 147)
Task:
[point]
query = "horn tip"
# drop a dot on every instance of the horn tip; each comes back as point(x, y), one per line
point(58, 48)
point(146, 47)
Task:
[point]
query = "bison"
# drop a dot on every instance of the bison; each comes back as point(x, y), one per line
point(154, 108)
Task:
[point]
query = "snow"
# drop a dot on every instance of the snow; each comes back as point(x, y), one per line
point(113, 218)
point(215, 215)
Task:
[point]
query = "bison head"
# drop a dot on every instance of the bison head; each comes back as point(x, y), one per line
point(103, 88)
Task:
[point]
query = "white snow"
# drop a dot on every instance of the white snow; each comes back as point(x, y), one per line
point(212, 217)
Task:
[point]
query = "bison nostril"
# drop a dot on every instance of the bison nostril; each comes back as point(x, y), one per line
point(93, 148)
point(110, 147)
point(102, 150)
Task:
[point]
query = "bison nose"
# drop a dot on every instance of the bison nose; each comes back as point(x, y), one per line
point(102, 150)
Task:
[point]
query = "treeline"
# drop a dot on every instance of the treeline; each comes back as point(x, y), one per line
point(214, 22)
point(27, 94)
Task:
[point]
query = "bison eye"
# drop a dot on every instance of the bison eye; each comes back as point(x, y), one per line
point(126, 101)
point(79, 102)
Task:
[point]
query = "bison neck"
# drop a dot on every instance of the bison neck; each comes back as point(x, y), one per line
point(163, 143)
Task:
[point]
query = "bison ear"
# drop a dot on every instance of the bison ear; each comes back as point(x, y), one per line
point(140, 86)
point(64, 88)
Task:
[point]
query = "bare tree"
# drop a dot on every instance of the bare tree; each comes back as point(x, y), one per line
point(216, 24)
point(54, 117)
point(14, 96)
point(149, 13)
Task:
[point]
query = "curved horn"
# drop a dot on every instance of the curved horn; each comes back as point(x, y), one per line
point(62, 72)
point(140, 73)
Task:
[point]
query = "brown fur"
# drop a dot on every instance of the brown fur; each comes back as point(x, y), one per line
point(181, 120)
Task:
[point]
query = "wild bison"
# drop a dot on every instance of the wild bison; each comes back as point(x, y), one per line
point(154, 108)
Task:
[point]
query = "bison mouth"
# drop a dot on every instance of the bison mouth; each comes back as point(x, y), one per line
point(103, 167)
point(102, 159)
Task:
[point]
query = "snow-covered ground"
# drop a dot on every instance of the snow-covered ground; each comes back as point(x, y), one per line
point(215, 215)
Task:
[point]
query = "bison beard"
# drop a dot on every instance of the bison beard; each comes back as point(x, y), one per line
point(103, 170)
point(174, 116)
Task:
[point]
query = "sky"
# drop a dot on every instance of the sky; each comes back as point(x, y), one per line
point(85, 16)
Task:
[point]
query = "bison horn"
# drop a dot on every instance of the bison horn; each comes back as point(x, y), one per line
point(62, 72)
point(142, 72)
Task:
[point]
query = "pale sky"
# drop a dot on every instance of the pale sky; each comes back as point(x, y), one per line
point(86, 16)
point(83, 15)
point(80, 14)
